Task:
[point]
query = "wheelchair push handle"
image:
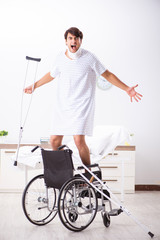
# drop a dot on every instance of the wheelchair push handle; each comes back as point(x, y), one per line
point(34, 149)
point(61, 147)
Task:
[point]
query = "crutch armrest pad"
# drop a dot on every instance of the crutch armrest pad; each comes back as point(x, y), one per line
point(33, 59)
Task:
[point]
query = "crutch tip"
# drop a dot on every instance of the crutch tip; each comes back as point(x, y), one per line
point(151, 234)
point(15, 163)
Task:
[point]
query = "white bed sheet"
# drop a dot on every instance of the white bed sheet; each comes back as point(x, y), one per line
point(104, 140)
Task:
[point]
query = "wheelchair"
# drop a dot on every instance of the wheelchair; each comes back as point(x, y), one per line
point(76, 200)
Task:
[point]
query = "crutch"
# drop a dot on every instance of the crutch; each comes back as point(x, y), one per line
point(116, 202)
point(22, 124)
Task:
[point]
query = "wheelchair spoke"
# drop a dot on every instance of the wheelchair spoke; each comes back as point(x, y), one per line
point(77, 204)
point(39, 202)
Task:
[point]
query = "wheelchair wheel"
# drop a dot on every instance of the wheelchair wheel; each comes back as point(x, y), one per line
point(106, 219)
point(77, 204)
point(39, 202)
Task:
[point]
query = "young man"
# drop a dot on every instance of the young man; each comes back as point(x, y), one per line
point(73, 110)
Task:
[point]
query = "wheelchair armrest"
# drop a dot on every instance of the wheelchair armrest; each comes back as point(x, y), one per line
point(88, 166)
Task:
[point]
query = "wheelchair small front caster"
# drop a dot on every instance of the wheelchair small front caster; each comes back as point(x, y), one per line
point(106, 219)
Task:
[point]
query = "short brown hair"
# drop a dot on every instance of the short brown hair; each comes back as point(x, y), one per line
point(74, 31)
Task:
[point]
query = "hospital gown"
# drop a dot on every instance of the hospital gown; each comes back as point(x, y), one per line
point(73, 109)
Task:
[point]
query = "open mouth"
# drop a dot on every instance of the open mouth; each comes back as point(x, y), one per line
point(73, 47)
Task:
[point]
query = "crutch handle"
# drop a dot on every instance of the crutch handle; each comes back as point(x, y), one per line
point(33, 59)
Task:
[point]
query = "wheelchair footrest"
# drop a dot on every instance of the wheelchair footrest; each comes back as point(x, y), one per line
point(115, 212)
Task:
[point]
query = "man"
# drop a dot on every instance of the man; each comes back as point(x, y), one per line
point(73, 110)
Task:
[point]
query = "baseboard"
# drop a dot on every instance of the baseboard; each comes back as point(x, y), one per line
point(147, 187)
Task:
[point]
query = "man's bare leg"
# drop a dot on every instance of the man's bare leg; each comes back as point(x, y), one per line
point(82, 148)
point(56, 141)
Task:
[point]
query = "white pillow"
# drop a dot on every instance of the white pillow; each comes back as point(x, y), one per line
point(98, 143)
point(106, 138)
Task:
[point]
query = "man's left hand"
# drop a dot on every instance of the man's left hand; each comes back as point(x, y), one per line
point(133, 94)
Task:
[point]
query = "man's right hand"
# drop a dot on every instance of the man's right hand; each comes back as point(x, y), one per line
point(45, 79)
point(29, 89)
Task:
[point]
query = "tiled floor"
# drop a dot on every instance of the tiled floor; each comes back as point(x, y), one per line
point(143, 205)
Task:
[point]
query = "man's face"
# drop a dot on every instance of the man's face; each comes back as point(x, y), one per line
point(73, 43)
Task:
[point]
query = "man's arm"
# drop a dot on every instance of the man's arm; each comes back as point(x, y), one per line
point(45, 79)
point(110, 77)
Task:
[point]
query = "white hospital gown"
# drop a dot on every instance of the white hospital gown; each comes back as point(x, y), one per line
point(73, 110)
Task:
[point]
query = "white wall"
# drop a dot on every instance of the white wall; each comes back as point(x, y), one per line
point(124, 34)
